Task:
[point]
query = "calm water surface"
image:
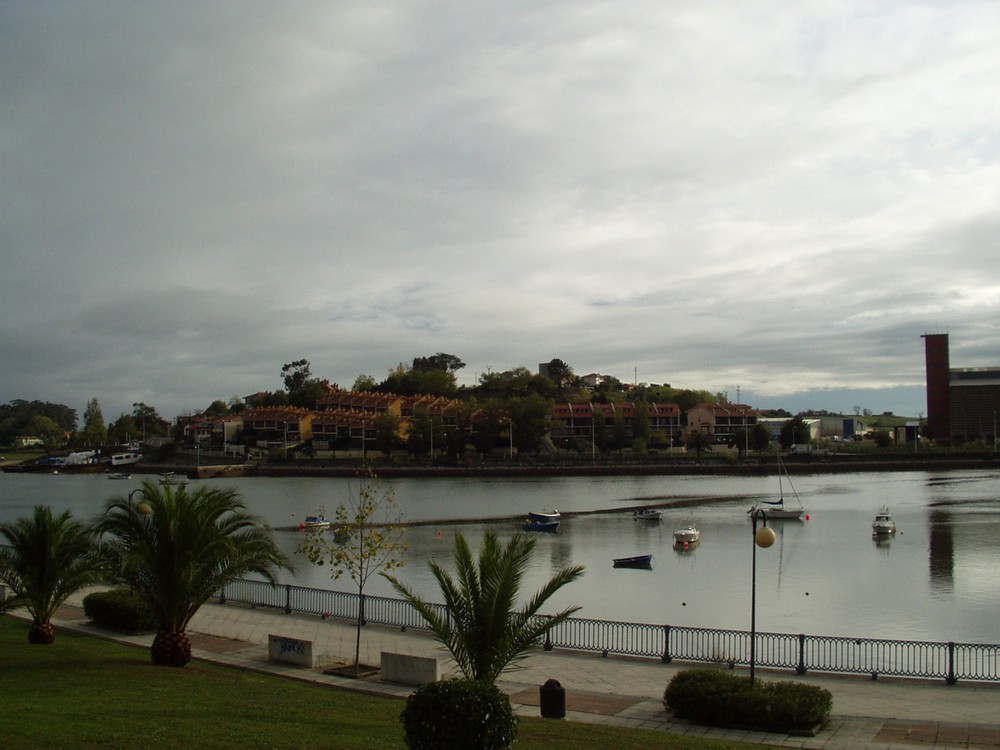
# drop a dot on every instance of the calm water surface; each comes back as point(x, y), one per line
point(936, 580)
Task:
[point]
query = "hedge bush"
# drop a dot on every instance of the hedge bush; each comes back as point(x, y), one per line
point(711, 697)
point(119, 609)
point(458, 715)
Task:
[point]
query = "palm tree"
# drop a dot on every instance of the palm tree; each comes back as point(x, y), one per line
point(47, 559)
point(481, 629)
point(177, 549)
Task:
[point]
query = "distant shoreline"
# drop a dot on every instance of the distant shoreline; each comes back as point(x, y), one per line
point(530, 469)
point(694, 468)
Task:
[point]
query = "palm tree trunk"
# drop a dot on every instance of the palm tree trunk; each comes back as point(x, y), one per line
point(41, 633)
point(171, 649)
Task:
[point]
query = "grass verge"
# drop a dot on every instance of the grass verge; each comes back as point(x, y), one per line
point(86, 693)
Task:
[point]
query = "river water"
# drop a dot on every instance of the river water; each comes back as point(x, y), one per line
point(937, 579)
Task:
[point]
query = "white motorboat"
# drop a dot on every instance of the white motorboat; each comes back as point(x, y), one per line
point(316, 522)
point(883, 525)
point(687, 535)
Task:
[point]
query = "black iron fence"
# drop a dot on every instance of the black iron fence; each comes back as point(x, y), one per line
point(948, 661)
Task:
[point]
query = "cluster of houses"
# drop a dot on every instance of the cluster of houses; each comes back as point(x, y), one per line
point(348, 417)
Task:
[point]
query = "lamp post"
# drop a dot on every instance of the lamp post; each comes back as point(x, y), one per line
point(763, 538)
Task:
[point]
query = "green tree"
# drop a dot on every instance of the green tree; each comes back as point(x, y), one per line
point(367, 538)
point(179, 548)
point(482, 629)
point(386, 431)
point(364, 383)
point(302, 388)
point(795, 430)
point(147, 419)
point(94, 431)
point(123, 429)
point(488, 424)
point(16, 415)
point(50, 433)
point(530, 416)
point(640, 419)
point(760, 437)
point(882, 438)
point(47, 558)
point(463, 413)
point(619, 430)
point(697, 441)
point(426, 434)
point(559, 373)
point(217, 408)
point(441, 362)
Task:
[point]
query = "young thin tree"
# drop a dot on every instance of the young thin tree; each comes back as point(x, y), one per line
point(178, 549)
point(47, 558)
point(483, 629)
point(366, 538)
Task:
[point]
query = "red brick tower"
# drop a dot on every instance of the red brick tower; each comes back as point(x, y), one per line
point(938, 383)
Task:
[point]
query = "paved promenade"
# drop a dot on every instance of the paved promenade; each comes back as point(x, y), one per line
point(888, 714)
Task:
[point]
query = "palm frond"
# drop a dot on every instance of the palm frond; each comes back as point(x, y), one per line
point(484, 632)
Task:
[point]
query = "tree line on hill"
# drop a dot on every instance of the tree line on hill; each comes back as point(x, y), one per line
point(517, 396)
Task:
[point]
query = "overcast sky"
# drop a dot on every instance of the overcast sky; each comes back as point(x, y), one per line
point(767, 196)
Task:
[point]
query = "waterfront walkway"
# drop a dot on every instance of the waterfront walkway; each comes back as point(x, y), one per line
point(887, 714)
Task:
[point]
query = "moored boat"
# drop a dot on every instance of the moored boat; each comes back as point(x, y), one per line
point(776, 509)
point(544, 515)
point(883, 525)
point(647, 514)
point(315, 522)
point(687, 535)
point(635, 561)
point(119, 475)
point(125, 459)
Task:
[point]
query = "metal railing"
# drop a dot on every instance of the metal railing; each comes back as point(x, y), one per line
point(948, 661)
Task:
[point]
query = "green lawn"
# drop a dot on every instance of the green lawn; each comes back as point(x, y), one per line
point(84, 693)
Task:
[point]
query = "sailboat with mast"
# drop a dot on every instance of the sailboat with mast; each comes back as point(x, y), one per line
point(777, 509)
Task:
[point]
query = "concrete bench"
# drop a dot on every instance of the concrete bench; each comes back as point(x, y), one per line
point(409, 670)
point(294, 651)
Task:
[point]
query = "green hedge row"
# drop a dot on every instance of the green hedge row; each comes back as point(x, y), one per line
point(119, 609)
point(707, 696)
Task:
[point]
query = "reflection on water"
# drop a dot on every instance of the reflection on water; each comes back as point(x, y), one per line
point(934, 580)
point(941, 557)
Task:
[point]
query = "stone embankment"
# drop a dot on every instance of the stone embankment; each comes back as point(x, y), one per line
point(752, 467)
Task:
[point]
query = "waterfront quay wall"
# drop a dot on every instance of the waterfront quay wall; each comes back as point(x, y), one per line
point(555, 468)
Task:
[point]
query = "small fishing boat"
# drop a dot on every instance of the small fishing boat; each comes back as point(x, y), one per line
point(119, 475)
point(315, 522)
point(883, 525)
point(544, 515)
point(687, 535)
point(647, 514)
point(635, 561)
point(535, 524)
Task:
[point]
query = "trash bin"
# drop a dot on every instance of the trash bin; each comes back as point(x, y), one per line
point(552, 700)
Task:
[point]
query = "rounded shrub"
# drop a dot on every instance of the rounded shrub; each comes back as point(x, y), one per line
point(119, 609)
point(711, 697)
point(457, 715)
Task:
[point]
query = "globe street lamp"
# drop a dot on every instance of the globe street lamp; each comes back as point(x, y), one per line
point(763, 538)
point(143, 506)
